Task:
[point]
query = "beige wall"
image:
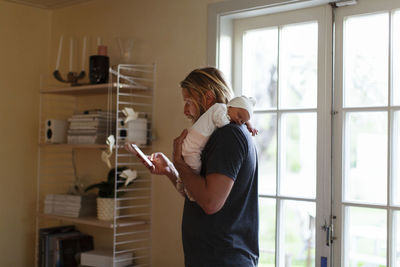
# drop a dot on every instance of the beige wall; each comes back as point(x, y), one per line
point(170, 33)
point(24, 39)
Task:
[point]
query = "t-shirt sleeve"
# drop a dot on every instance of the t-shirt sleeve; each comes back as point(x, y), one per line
point(229, 151)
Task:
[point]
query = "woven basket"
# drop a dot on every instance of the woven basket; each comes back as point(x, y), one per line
point(105, 209)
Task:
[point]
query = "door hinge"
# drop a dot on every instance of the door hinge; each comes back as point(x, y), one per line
point(328, 228)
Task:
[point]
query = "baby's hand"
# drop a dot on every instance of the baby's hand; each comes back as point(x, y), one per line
point(252, 130)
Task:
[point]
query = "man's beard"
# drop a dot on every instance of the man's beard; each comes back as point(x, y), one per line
point(193, 119)
point(190, 118)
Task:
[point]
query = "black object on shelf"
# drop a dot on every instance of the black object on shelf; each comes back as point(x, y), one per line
point(98, 66)
point(98, 69)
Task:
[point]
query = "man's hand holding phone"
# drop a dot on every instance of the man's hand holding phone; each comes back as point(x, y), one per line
point(135, 149)
point(142, 156)
point(159, 163)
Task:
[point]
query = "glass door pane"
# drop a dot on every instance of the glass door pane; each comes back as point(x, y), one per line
point(267, 152)
point(298, 66)
point(298, 155)
point(365, 68)
point(267, 212)
point(396, 159)
point(297, 246)
point(396, 58)
point(396, 239)
point(260, 66)
point(365, 154)
point(365, 237)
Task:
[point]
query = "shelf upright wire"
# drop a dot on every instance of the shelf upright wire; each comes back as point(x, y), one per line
point(132, 244)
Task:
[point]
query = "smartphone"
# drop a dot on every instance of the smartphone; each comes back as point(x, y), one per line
point(140, 153)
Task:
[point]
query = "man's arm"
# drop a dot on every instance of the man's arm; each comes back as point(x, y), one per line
point(210, 193)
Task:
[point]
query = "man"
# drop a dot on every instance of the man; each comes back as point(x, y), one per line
point(219, 228)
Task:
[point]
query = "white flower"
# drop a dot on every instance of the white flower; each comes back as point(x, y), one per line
point(130, 114)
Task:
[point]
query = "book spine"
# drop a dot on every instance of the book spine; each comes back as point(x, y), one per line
point(41, 256)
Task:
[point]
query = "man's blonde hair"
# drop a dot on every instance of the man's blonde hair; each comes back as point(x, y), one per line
point(201, 81)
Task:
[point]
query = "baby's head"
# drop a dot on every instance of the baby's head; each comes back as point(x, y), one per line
point(240, 109)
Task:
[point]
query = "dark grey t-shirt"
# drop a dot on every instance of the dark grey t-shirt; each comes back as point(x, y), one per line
point(230, 236)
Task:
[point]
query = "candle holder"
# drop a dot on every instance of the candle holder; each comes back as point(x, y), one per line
point(72, 77)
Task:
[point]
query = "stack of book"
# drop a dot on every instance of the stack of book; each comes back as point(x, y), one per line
point(62, 245)
point(90, 127)
point(104, 258)
point(70, 205)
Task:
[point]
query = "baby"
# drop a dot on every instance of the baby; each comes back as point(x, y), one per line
point(239, 110)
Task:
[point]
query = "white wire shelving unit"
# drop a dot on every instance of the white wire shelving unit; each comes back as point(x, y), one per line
point(60, 165)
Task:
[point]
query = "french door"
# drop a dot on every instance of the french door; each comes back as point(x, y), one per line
point(366, 147)
point(283, 61)
point(329, 142)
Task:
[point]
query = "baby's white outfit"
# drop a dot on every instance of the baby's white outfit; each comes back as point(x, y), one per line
point(215, 117)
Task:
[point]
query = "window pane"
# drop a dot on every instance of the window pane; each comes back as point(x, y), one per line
point(267, 232)
point(298, 66)
point(260, 57)
point(396, 159)
point(298, 234)
point(266, 150)
point(396, 239)
point(298, 155)
point(365, 237)
point(396, 58)
point(365, 66)
point(365, 157)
